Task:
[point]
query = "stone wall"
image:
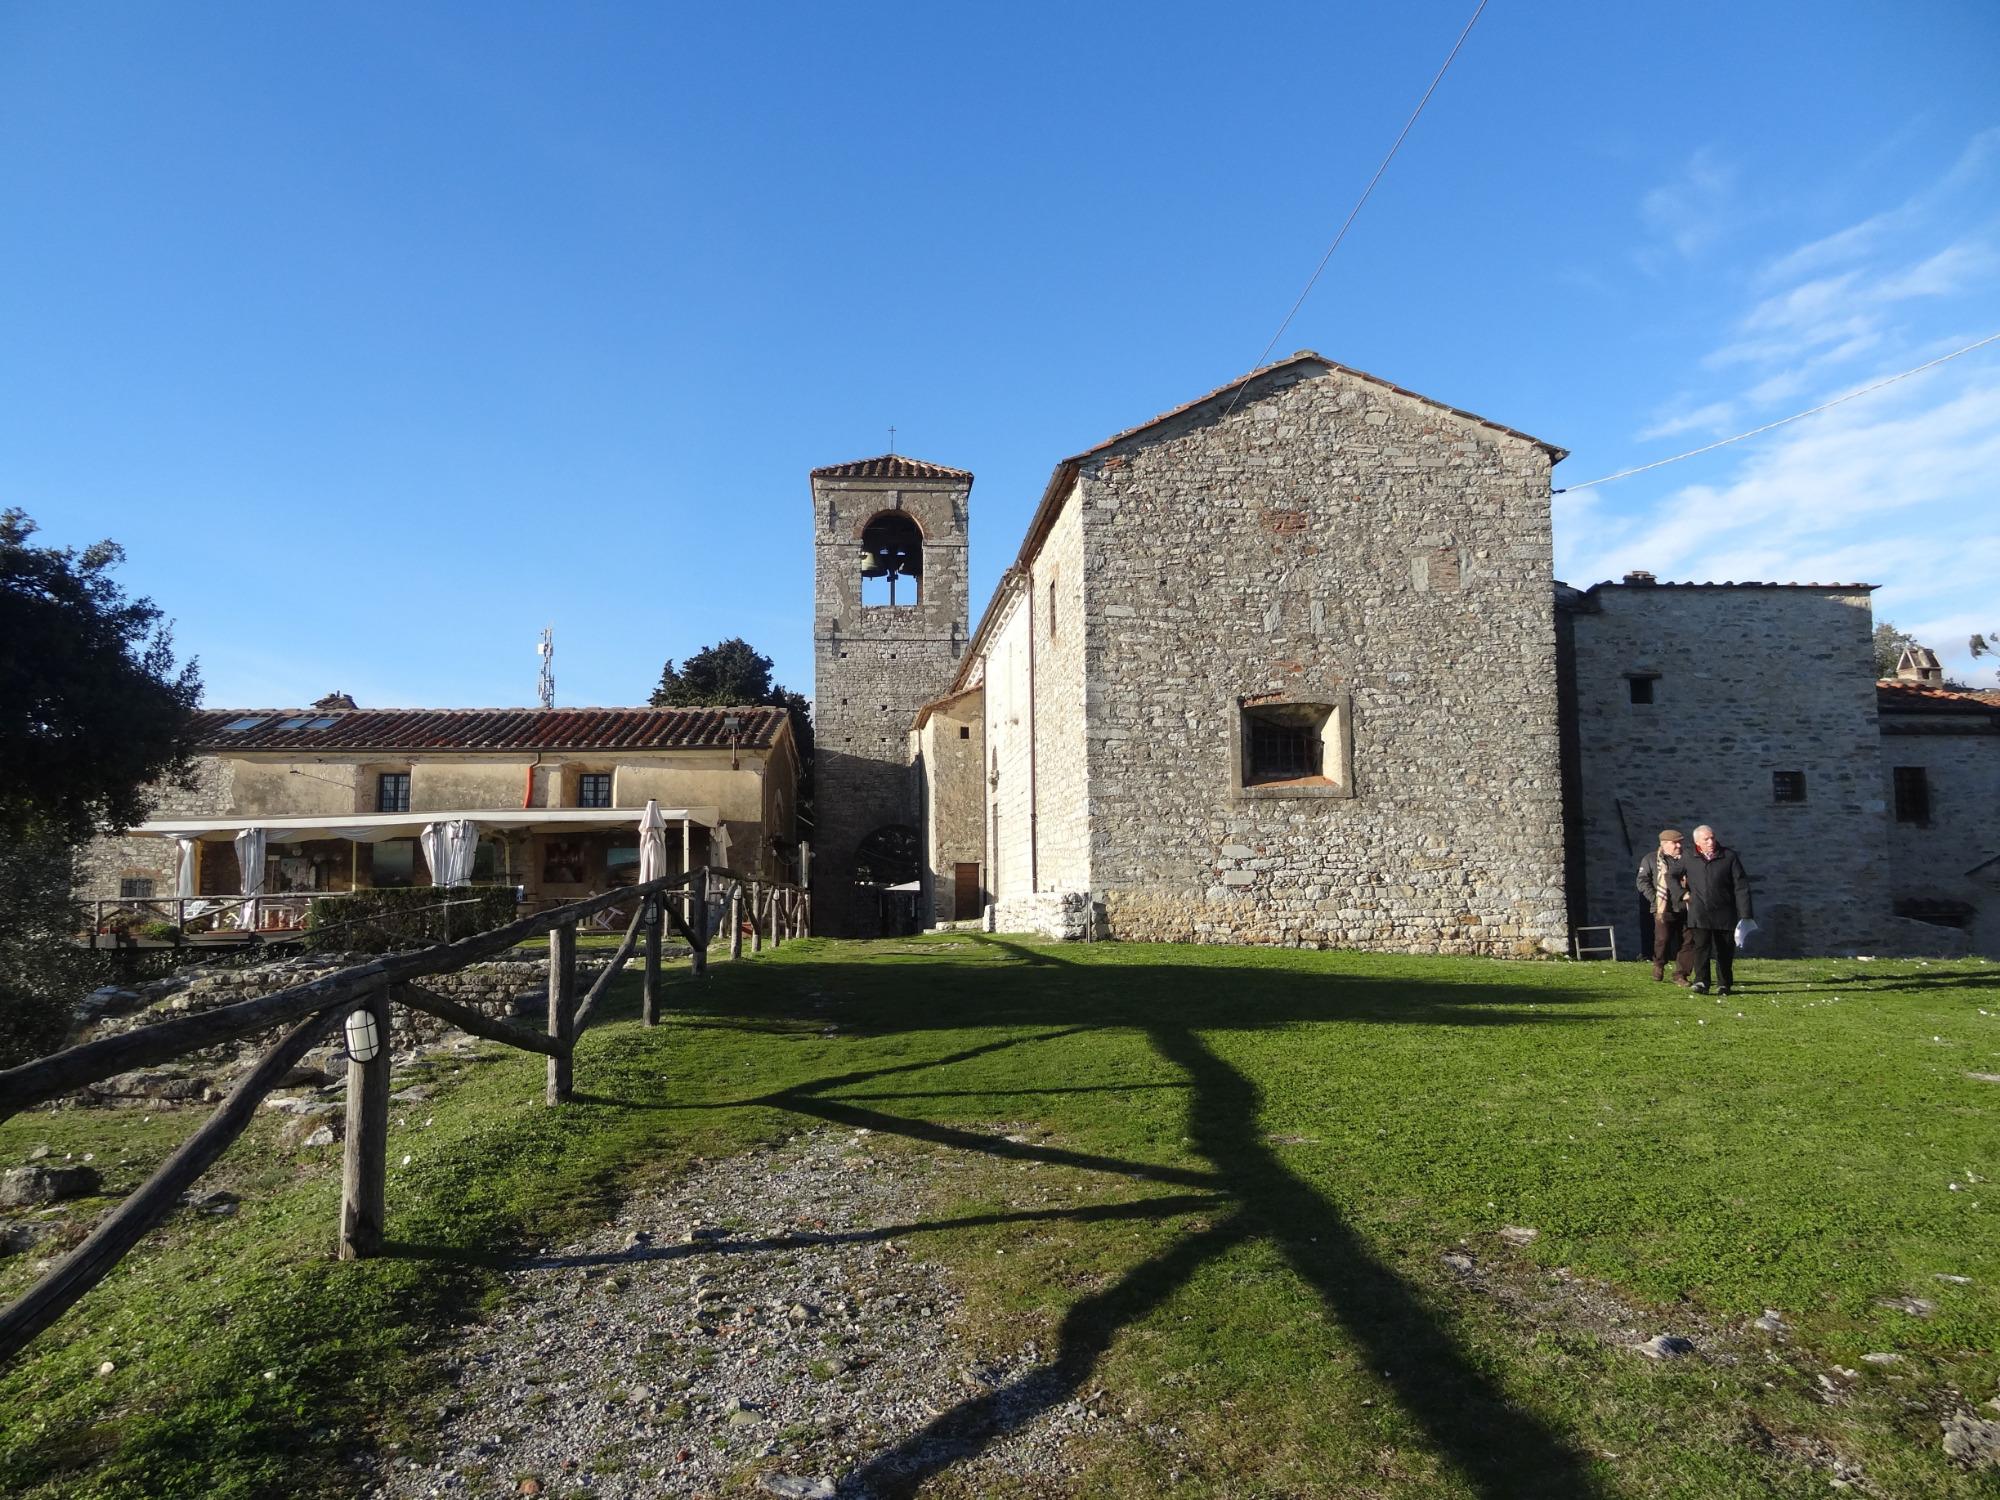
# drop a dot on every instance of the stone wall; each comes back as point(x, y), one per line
point(1745, 681)
point(949, 762)
point(1330, 541)
point(1060, 916)
point(1009, 749)
point(873, 667)
point(103, 862)
point(1954, 856)
point(1062, 696)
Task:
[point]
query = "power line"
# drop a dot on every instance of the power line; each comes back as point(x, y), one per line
point(1354, 212)
point(1795, 416)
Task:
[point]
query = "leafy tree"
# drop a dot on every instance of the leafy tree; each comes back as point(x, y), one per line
point(92, 707)
point(727, 673)
point(733, 673)
point(1986, 644)
point(1890, 644)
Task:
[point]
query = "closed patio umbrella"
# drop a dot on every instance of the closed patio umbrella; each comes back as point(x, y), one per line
point(184, 867)
point(652, 843)
point(449, 848)
point(250, 862)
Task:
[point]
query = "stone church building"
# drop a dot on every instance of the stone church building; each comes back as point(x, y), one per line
point(1289, 664)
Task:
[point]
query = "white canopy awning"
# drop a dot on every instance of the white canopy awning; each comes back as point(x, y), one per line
point(370, 828)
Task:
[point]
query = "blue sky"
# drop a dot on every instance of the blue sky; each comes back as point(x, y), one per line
point(383, 335)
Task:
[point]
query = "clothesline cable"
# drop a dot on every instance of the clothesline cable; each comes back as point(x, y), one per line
point(1661, 463)
point(1355, 212)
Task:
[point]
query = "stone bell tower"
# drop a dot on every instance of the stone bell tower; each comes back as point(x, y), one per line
point(889, 628)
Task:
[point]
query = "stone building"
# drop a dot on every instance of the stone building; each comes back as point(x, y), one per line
point(1750, 707)
point(1224, 692)
point(889, 616)
point(1288, 664)
point(1941, 784)
point(342, 795)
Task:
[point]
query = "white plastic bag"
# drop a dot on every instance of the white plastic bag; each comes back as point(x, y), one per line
point(1743, 930)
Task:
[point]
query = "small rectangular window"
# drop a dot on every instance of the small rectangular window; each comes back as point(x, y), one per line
point(1788, 786)
point(1913, 795)
point(1282, 742)
point(593, 789)
point(392, 791)
point(965, 731)
point(135, 889)
point(1641, 686)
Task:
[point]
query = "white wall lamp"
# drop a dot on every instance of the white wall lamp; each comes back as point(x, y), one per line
point(364, 1036)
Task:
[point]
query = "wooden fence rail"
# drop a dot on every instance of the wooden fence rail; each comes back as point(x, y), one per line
point(312, 1010)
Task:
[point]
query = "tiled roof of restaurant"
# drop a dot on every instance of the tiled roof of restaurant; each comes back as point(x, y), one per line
point(530, 729)
point(1900, 697)
point(889, 466)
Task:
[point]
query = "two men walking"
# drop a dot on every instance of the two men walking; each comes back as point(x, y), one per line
point(1700, 906)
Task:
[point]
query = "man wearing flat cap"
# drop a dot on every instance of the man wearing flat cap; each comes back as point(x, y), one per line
point(1663, 887)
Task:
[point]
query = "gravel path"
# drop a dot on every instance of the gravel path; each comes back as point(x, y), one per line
point(764, 1330)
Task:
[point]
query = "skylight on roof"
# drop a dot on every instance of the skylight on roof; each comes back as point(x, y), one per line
point(237, 726)
point(325, 723)
point(298, 723)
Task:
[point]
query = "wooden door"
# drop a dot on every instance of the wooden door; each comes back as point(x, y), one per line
point(965, 902)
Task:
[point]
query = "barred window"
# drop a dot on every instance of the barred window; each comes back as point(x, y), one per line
point(593, 789)
point(135, 888)
point(392, 791)
point(1913, 795)
point(1788, 786)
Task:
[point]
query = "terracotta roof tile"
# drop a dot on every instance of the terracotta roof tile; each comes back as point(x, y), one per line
point(1747, 583)
point(889, 466)
point(1894, 696)
point(492, 729)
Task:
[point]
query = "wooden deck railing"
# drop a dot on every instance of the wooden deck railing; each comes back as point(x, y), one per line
point(771, 909)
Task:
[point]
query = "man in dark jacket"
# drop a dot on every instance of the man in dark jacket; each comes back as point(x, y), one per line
point(1662, 886)
point(1718, 897)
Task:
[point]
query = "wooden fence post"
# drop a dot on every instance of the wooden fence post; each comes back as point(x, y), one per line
point(698, 919)
point(756, 918)
point(656, 918)
point(735, 921)
point(365, 1169)
point(562, 1009)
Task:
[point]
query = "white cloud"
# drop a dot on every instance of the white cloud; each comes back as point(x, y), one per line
point(1712, 418)
point(1691, 211)
point(1895, 490)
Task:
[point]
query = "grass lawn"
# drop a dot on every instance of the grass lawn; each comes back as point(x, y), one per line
point(1235, 1179)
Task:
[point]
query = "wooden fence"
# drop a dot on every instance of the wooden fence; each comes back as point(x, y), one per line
point(770, 909)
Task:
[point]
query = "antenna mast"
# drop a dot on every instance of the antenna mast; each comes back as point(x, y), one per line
point(545, 648)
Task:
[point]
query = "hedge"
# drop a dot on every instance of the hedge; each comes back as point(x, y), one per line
point(394, 919)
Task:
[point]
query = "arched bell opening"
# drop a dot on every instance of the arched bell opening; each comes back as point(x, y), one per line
point(892, 560)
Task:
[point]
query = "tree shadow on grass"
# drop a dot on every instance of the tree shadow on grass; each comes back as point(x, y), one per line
point(1498, 1448)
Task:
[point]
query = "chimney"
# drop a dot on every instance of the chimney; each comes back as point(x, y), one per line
point(334, 701)
point(1919, 664)
point(1639, 578)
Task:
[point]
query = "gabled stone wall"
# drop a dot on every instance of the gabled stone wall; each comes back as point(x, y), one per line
point(1330, 541)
